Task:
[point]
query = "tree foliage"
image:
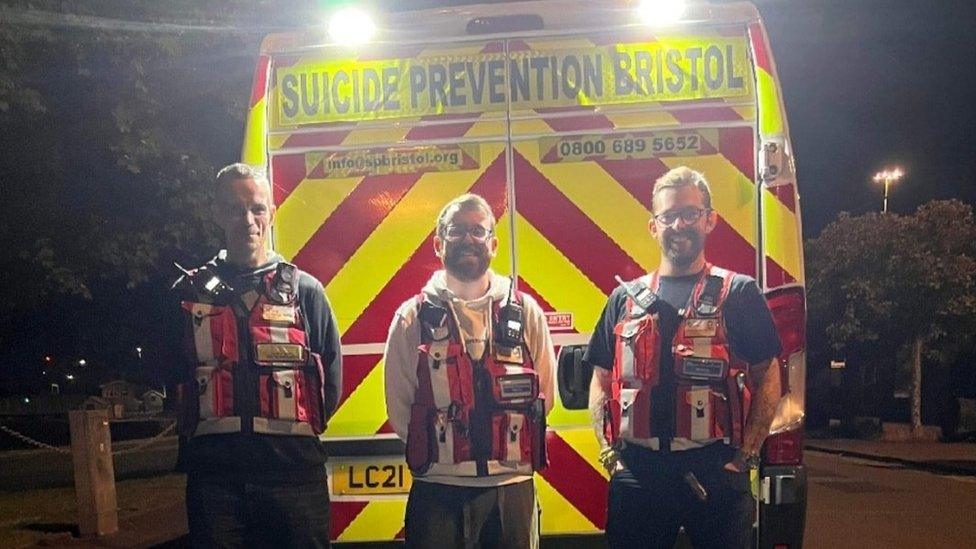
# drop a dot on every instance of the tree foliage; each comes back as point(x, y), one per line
point(115, 115)
point(879, 282)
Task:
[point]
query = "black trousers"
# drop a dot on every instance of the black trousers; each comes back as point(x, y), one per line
point(444, 516)
point(652, 499)
point(224, 513)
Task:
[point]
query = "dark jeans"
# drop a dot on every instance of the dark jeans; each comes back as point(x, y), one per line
point(650, 501)
point(443, 516)
point(225, 513)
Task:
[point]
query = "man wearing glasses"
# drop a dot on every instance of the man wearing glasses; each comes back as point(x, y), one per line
point(468, 369)
point(685, 385)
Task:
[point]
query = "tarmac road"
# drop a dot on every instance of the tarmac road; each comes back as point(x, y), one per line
point(860, 503)
point(853, 502)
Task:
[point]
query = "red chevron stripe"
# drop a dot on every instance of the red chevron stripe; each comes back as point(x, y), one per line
point(527, 288)
point(776, 276)
point(737, 145)
point(259, 85)
point(341, 515)
point(585, 244)
point(705, 114)
point(636, 176)
point(316, 139)
point(287, 171)
point(351, 224)
point(727, 249)
point(355, 368)
point(439, 131)
point(757, 36)
point(372, 324)
point(583, 121)
point(785, 194)
point(576, 480)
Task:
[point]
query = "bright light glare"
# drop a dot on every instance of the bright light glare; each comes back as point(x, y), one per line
point(351, 26)
point(660, 12)
point(889, 175)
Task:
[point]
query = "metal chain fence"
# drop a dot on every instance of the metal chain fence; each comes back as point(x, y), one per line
point(44, 446)
point(32, 442)
point(147, 443)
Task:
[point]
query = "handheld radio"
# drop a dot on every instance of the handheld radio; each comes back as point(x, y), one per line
point(209, 284)
point(508, 331)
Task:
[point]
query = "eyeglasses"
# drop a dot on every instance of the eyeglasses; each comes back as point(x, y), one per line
point(454, 233)
point(688, 215)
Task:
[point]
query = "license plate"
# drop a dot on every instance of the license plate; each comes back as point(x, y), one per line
point(370, 477)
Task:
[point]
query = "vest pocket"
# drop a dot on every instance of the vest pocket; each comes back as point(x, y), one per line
point(286, 395)
point(637, 350)
point(215, 390)
point(702, 413)
point(511, 433)
point(214, 333)
point(421, 439)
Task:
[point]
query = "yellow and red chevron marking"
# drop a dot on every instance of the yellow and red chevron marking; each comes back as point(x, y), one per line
point(572, 493)
point(254, 149)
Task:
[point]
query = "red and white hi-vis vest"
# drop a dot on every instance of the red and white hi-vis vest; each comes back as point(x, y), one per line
point(711, 396)
point(473, 418)
point(278, 389)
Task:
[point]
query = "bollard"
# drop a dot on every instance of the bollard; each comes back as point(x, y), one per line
point(91, 451)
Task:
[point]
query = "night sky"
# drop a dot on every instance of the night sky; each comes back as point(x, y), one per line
point(875, 82)
point(868, 84)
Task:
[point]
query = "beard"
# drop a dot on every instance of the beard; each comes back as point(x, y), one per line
point(683, 254)
point(466, 262)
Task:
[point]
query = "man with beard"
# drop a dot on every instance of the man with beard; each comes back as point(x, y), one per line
point(261, 376)
point(469, 382)
point(685, 385)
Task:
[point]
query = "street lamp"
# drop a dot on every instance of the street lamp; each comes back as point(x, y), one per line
point(887, 177)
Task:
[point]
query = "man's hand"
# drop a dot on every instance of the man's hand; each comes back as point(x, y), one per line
point(599, 395)
point(761, 412)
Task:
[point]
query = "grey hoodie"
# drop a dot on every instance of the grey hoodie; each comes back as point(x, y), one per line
point(473, 319)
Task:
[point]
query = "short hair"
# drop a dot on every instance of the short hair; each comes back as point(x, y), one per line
point(682, 176)
point(467, 201)
point(240, 170)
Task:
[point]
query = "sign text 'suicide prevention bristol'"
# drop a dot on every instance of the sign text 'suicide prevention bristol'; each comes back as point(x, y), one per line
point(673, 69)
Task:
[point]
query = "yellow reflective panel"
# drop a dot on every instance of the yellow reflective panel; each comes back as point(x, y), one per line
point(254, 150)
point(381, 519)
point(732, 191)
point(770, 118)
point(305, 209)
point(782, 237)
point(556, 279)
point(393, 242)
point(565, 73)
point(602, 199)
point(559, 516)
point(364, 411)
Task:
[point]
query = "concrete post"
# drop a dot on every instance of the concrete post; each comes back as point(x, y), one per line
point(91, 450)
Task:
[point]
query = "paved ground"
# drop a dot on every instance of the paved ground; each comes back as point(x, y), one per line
point(858, 503)
point(899, 498)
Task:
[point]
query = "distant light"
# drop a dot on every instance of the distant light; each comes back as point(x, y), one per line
point(69, 377)
point(660, 12)
point(44, 372)
point(351, 26)
point(26, 400)
point(888, 175)
point(139, 352)
point(82, 362)
point(47, 358)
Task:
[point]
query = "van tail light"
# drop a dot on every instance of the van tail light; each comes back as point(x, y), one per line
point(785, 445)
point(784, 448)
